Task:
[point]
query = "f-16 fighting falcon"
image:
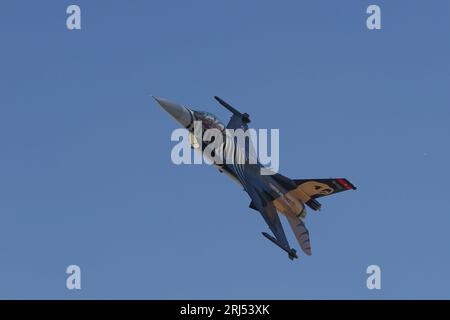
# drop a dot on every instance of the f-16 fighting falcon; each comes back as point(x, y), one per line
point(270, 194)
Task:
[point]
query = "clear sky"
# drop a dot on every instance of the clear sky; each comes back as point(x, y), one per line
point(86, 176)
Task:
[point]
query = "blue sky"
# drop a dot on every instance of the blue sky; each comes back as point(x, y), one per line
point(85, 170)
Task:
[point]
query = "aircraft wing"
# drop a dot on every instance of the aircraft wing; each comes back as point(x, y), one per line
point(270, 215)
point(236, 122)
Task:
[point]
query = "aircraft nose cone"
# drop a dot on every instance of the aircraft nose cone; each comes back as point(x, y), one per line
point(182, 114)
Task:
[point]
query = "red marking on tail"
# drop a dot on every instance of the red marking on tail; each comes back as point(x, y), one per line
point(344, 183)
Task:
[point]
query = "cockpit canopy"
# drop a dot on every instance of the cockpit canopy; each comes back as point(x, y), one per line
point(209, 121)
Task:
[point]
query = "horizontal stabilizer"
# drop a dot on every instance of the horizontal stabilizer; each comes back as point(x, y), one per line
point(301, 234)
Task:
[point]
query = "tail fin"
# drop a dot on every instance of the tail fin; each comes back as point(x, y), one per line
point(317, 188)
point(308, 190)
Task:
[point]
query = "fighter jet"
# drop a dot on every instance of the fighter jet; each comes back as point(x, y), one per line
point(270, 194)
